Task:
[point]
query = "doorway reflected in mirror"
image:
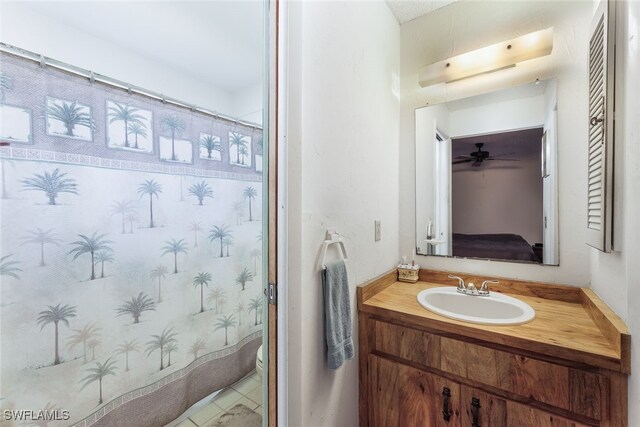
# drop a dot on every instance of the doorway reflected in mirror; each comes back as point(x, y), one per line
point(486, 176)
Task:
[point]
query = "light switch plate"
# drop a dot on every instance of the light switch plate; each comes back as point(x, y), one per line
point(377, 225)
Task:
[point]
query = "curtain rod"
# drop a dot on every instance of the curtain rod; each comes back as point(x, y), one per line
point(93, 77)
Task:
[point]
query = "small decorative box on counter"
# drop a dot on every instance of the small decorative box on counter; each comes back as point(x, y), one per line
point(408, 273)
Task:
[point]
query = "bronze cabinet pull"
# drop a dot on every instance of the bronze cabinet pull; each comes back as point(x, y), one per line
point(475, 411)
point(446, 395)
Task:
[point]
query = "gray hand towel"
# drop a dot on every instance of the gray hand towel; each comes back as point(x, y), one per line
point(337, 314)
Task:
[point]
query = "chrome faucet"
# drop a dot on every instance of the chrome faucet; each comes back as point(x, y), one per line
point(484, 289)
point(461, 286)
point(471, 289)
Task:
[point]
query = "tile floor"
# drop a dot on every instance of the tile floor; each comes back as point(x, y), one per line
point(247, 391)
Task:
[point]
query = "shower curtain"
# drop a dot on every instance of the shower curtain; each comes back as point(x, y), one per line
point(130, 278)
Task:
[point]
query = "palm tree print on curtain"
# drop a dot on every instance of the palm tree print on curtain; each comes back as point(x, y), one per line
point(160, 342)
point(244, 152)
point(42, 238)
point(201, 190)
point(244, 277)
point(175, 247)
point(9, 267)
point(250, 193)
point(70, 116)
point(55, 315)
point(131, 218)
point(209, 144)
point(92, 344)
point(238, 141)
point(151, 188)
point(98, 373)
point(215, 296)
point(171, 348)
point(227, 242)
point(202, 279)
point(136, 307)
point(160, 272)
point(102, 257)
point(174, 125)
point(225, 322)
point(136, 129)
point(82, 336)
point(129, 116)
point(240, 309)
point(51, 184)
point(125, 348)
point(238, 209)
point(196, 227)
point(122, 208)
point(255, 305)
point(197, 347)
point(255, 254)
point(219, 232)
point(90, 244)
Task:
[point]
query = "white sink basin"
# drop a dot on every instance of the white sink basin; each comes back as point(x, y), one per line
point(495, 309)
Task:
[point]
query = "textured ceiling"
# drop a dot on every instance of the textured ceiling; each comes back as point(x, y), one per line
point(406, 10)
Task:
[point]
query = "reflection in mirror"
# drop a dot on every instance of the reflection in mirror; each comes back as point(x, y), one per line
point(486, 176)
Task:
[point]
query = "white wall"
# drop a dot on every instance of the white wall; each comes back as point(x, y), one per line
point(343, 146)
point(20, 26)
point(615, 277)
point(464, 26)
point(494, 199)
point(498, 117)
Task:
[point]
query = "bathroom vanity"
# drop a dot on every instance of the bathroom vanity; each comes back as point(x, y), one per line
point(567, 367)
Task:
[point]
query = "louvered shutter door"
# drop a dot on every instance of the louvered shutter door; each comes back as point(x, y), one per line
point(601, 126)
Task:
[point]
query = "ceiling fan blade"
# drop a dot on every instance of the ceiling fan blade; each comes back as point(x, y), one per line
point(505, 154)
point(463, 157)
point(505, 160)
point(461, 161)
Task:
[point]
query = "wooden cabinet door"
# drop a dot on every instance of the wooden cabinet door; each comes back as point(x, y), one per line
point(493, 411)
point(403, 396)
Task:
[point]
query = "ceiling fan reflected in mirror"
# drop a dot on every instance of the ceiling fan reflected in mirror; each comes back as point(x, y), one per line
point(476, 158)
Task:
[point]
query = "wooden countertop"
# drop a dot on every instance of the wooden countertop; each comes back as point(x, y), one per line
point(576, 327)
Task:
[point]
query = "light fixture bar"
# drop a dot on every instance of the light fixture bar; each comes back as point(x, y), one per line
point(488, 59)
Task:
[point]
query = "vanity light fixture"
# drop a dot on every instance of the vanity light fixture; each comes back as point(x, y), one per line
point(488, 59)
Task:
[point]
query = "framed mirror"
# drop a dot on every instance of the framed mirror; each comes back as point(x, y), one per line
point(486, 176)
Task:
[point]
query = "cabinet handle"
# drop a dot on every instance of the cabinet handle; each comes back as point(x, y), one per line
point(446, 395)
point(475, 409)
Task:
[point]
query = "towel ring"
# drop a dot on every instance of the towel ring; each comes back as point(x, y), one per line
point(332, 238)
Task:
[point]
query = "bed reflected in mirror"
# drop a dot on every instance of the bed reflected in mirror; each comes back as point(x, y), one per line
point(486, 176)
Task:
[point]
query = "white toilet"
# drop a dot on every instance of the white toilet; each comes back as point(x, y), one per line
point(259, 362)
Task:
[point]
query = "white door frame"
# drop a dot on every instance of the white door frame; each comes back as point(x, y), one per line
point(442, 193)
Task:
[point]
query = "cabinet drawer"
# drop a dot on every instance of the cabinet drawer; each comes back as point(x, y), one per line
point(574, 390)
